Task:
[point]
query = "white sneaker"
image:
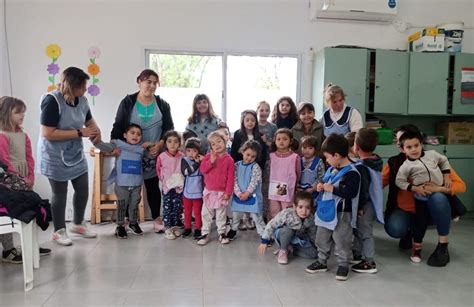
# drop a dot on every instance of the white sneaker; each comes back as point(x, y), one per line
point(169, 234)
point(61, 238)
point(83, 231)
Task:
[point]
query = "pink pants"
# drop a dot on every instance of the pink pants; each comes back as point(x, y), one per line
point(276, 206)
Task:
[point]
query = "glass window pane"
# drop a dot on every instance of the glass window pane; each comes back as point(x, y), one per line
point(182, 76)
point(251, 79)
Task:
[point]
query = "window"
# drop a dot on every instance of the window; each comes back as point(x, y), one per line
point(233, 82)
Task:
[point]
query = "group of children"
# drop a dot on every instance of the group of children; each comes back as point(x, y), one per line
point(310, 209)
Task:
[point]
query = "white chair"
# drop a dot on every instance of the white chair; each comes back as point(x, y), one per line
point(29, 245)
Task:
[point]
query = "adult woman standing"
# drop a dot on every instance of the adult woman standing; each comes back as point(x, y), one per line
point(65, 119)
point(153, 115)
point(339, 117)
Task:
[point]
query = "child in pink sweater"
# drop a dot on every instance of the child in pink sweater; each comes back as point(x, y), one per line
point(218, 170)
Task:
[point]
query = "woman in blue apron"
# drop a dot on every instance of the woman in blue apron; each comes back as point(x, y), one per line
point(65, 119)
point(339, 118)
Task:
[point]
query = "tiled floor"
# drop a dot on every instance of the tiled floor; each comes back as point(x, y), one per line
point(153, 271)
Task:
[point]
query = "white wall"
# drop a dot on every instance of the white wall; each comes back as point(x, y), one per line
point(123, 29)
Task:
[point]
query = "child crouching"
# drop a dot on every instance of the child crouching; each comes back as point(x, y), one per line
point(294, 230)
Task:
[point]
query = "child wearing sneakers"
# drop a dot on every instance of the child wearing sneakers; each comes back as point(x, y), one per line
point(128, 177)
point(337, 204)
point(312, 167)
point(168, 169)
point(193, 186)
point(218, 170)
point(419, 173)
point(370, 199)
point(294, 230)
point(247, 197)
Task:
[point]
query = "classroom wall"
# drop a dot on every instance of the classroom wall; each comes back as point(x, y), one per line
point(123, 29)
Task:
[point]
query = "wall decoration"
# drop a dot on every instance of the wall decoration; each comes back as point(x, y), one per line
point(93, 69)
point(53, 51)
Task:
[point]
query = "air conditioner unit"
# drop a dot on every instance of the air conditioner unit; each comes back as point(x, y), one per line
point(376, 11)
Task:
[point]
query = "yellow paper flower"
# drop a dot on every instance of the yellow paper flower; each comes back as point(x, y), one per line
point(93, 69)
point(53, 51)
point(52, 88)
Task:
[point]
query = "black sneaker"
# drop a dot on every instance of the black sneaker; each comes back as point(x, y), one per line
point(316, 267)
point(342, 273)
point(180, 224)
point(405, 244)
point(231, 234)
point(120, 232)
point(12, 256)
point(355, 258)
point(136, 230)
point(44, 251)
point(365, 267)
point(197, 234)
point(440, 256)
point(186, 233)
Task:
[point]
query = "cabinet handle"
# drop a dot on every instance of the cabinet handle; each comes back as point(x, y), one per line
point(377, 86)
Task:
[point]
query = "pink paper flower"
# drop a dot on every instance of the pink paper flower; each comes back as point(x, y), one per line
point(93, 52)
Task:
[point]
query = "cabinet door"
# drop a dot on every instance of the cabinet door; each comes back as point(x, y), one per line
point(463, 106)
point(348, 68)
point(391, 82)
point(428, 83)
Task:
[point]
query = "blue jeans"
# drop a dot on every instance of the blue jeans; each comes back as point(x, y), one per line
point(437, 210)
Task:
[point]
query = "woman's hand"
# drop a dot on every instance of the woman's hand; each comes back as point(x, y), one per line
point(262, 248)
point(320, 187)
point(433, 188)
point(328, 187)
point(156, 148)
point(420, 190)
point(90, 132)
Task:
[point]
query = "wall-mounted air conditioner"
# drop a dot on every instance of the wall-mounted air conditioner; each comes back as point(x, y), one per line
point(378, 11)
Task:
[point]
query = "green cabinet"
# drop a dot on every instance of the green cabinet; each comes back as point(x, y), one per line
point(346, 68)
point(391, 82)
point(462, 60)
point(428, 83)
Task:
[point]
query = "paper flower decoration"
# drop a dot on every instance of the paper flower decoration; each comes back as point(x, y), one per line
point(94, 70)
point(53, 52)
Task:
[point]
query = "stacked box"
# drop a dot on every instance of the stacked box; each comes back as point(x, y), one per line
point(430, 39)
point(457, 132)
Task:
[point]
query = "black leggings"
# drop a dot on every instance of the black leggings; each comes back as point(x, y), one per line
point(153, 195)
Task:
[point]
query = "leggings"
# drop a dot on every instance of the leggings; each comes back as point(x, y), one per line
point(153, 196)
point(59, 196)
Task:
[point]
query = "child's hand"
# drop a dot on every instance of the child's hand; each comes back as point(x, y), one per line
point(360, 213)
point(226, 197)
point(244, 196)
point(320, 187)
point(199, 158)
point(213, 156)
point(328, 187)
point(262, 248)
point(116, 152)
point(447, 181)
point(420, 190)
point(146, 145)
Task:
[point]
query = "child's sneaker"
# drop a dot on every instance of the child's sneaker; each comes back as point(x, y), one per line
point(223, 239)
point(282, 257)
point(249, 224)
point(316, 267)
point(158, 225)
point(12, 256)
point(356, 258)
point(203, 240)
point(61, 237)
point(242, 226)
point(83, 230)
point(365, 267)
point(176, 231)
point(44, 251)
point(342, 273)
point(169, 234)
point(187, 232)
point(197, 234)
point(136, 230)
point(416, 253)
point(231, 234)
point(120, 232)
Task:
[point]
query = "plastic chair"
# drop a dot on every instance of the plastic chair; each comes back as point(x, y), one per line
point(100, 199)
point(29, 245)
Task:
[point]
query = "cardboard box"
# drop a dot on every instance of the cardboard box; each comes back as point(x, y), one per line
point(457, 132)
point(430, 39)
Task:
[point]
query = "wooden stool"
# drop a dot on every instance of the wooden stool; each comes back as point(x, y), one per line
point(101, 200)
